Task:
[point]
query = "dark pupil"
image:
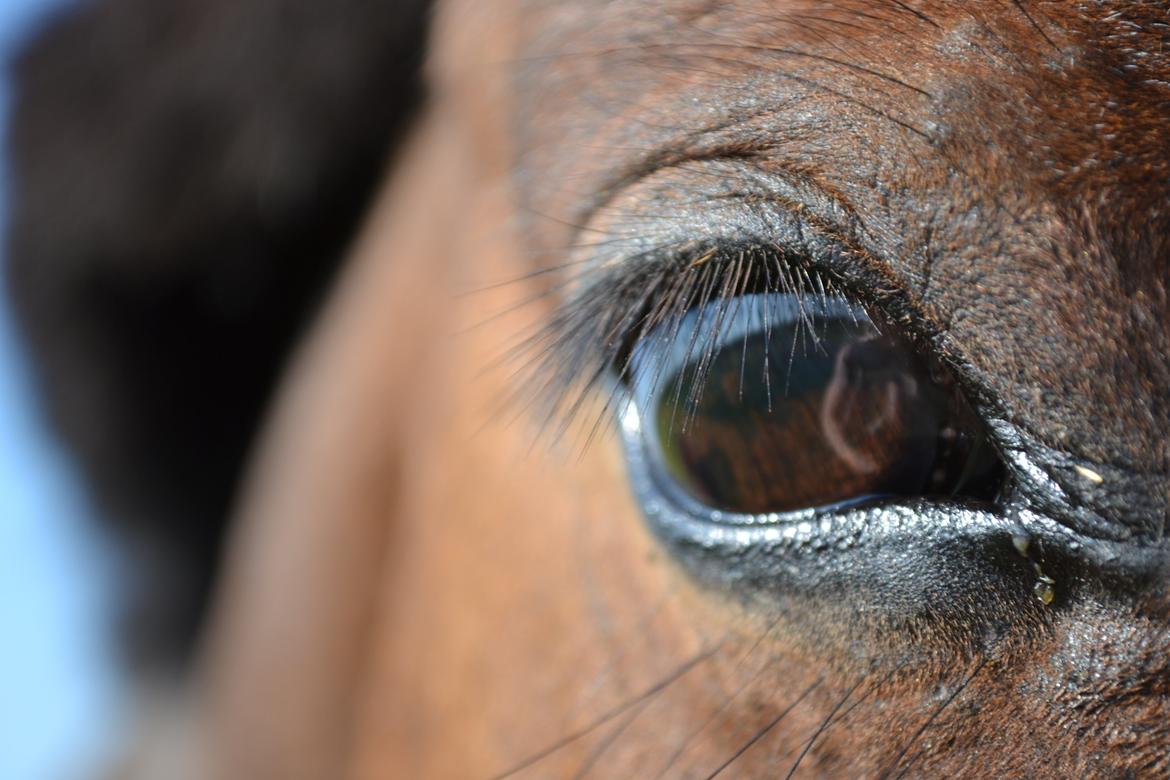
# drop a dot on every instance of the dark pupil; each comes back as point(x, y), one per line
point(794, 405)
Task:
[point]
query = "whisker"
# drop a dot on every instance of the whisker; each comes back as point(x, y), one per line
point(915, 12)
point(727, 702)
point(1035, 24)
point(933, 716)
point(759, 641)
point(764, 731)
point(610, 739)
point(576, 226)
point(842, 63)
point(607, 672)
point(824, 89)
point(822, 727)
point(608, 716)
point(522, 303)
point(543, 271)
point(869, 692)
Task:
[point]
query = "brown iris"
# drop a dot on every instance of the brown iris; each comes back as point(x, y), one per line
point(780, 403)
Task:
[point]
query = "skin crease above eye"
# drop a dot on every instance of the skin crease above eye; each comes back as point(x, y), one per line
point(413, 594)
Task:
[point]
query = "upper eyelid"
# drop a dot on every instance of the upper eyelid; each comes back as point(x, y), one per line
point(731, 205)
point(778, 210)
point(732, 202)
point(650, 241)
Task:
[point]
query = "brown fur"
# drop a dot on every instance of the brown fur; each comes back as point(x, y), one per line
point(415, 595)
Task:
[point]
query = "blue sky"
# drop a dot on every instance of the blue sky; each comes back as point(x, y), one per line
point(59, 700)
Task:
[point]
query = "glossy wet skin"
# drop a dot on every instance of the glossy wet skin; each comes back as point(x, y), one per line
point(448, 602)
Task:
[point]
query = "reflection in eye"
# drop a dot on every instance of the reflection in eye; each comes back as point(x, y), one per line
point(783, 402)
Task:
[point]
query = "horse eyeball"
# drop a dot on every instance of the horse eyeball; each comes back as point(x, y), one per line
point(778, 402)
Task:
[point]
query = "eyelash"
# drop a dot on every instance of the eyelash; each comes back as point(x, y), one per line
point(584, 349)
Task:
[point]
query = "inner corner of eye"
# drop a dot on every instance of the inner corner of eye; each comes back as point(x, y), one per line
point(776, 402)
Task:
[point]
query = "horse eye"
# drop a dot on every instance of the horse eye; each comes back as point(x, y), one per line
point(778, 402)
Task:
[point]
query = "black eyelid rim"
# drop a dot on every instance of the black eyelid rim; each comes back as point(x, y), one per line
point(725, 547)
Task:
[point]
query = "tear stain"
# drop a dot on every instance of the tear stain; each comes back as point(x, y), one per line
point(1045, 587)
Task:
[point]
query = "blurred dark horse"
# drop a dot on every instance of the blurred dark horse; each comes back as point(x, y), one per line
point(187, 178)
point(411, 594)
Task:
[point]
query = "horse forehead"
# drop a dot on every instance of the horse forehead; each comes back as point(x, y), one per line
point(1061, 105)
